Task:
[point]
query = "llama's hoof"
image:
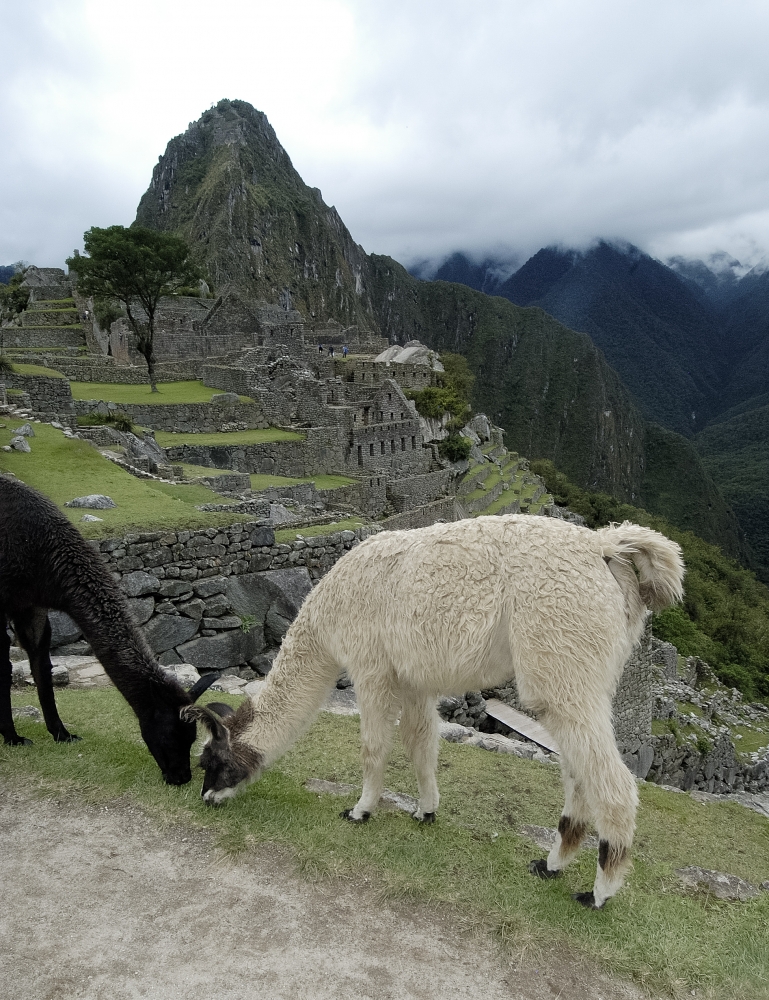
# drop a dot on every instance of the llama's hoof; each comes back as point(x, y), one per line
point(425, 817)
point(66, 737)
point(539, 868)
point(17, 741)
point(587, 899)
point(347, 814)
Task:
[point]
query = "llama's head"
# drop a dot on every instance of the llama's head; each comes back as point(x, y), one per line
point(169, 737)
point(228, 760)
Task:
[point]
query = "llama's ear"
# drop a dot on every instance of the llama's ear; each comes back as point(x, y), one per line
point(209, 719)
point(220, 708)
point(201, 685)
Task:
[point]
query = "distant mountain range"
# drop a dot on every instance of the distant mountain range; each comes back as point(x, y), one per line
point(580, 356)
point(689, 338)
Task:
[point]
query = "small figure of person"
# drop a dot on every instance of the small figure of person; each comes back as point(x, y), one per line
point(320, 348)
point(331, 350)
point(345, 352)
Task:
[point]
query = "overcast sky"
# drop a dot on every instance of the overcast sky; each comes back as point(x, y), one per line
point(489, 127)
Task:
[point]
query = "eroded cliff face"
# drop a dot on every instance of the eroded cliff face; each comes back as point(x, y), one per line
point(228, 186)
point(548, 386)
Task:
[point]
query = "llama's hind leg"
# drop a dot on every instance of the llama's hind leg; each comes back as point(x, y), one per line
point(34, 632)
point(610, 794)
point(572, 827)
point(419, 732)
point(7, 728)
point(378, 712)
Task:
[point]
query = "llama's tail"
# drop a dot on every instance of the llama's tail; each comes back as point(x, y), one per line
point(656, 559)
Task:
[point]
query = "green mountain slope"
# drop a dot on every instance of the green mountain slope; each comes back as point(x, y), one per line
point(229, 187)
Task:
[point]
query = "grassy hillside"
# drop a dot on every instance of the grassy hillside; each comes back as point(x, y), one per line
point(736, 454)
point(725, 614)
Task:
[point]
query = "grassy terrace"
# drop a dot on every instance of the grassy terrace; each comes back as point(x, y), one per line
point(348, 524)
point(23, 369)
point(264, 482)
point(63, 469)
point(671, 940)
point(168, 392)
point(259, 436)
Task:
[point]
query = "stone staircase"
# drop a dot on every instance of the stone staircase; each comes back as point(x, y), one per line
point(46, 323)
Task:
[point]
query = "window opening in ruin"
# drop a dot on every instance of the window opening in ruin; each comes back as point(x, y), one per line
point(360, 454)
point(389, 397)
point(392, 446)
point(383, 447)
point(403, 444)
point(392, 416)
point(371, 449)
point(413, 442)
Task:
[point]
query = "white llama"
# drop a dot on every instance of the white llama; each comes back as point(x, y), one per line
point(410, 615)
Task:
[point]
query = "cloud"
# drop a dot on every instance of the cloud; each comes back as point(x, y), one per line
point(488, 127)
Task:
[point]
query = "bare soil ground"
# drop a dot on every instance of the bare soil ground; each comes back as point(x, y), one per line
point(100, 902)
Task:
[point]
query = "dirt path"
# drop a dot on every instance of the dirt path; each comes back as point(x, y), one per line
point(100, 903)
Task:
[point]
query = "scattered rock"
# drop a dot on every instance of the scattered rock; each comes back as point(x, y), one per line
point(720, 884)
point(185, 673)
point(60, 675)
point(94, 501)
point(91, 517)
point(225, 397)
point(27, 712)
point(26, 430)
point(20, 444)
point(229, 684)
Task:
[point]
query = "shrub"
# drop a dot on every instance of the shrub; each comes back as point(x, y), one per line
point(455, 447)
point(118, 420)
point(106, 311)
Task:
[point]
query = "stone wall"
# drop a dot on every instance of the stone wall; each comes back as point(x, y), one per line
point(446, 509)
point(416, 491)
point(186, 418)
point(46, 395)
point(218, 597)
point(320, 452)
point(106, 369)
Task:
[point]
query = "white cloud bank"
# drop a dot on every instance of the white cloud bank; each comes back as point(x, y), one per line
point(492, 127)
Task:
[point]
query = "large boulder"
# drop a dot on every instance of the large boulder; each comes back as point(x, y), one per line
point(63, 629)
point(273, 598)
point(165, 631)
point(227, 649)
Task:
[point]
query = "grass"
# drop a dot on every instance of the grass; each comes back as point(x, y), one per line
point(258, 436)
point(23, 369)
point(264, 482)
point(348, 524)
point(751, 741)
point(168, 392)
point(669, 939)
point(63, 469)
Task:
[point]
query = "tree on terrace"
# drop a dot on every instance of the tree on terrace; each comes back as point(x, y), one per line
point(136, 266)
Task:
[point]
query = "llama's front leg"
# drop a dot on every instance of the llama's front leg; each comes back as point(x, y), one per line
point(377, 731)
point(7, 728)
point(572, 828)
point(34, 632)
point(419, 732)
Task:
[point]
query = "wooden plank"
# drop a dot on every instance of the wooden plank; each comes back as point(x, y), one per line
point(522, 724)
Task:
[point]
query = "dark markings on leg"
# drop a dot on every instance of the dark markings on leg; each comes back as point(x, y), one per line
point(611, 857)
point(347, 814)
point(586, 899)
point(426, 818)
point(572, 833)
point(539, 868)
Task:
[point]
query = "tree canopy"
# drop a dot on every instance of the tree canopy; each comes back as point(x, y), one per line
point(136, 267)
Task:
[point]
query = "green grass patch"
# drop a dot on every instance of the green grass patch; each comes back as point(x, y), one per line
point(289, 534)
point(669, 939)
point(24, 369)
point(63, 469)
point(751, 739)
point(168, 392)
point(257, 436)
point(263, 482)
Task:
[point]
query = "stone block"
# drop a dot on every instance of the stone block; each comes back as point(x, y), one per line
point(217, 605)
point(139, 583)
point(185, 673)
point(165, 631)
point(225, 622)
point(226, 649)
point(141, 609)
point(193, 609)
point(175, 588)
point(263, 535)
point(63, 629)
point(210, 586)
